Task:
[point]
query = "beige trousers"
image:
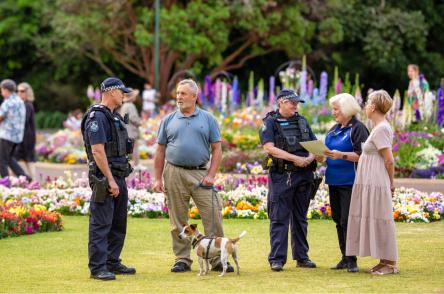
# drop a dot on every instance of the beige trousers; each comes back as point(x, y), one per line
point(181, 185)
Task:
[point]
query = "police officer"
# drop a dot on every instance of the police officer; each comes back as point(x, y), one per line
point(290, 179)
point(107, 147)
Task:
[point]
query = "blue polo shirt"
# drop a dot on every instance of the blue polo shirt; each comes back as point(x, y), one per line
point(342, 172)
point(188, 139)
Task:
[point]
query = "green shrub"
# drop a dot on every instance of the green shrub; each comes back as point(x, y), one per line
point(50, 119)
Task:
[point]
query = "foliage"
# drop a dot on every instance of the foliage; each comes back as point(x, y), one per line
point(61, 46)
point(49, 119)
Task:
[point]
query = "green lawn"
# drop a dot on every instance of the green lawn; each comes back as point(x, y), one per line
point(57, 262)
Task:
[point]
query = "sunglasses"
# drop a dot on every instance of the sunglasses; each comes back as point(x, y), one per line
point(21, 91)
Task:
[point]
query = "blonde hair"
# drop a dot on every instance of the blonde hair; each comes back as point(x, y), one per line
point(29, 92)
point(382, 101)
point(414, 66)
point(347, 104)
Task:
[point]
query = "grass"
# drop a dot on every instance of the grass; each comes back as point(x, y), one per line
point(57, 262)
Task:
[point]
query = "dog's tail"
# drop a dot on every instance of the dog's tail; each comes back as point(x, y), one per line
point(240, 236)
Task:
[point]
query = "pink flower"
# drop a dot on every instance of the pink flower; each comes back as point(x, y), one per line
point(441, 159)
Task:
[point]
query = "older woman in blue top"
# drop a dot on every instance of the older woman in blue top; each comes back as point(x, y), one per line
point(344, 140)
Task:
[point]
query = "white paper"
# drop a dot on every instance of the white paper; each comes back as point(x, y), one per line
point(316, 147)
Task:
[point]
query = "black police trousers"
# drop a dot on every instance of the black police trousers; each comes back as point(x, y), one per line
point(288, 201)
point(340, 197)
point(107, 229)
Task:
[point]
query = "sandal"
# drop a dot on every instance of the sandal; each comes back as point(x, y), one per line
point(376, 267)
point(390, 269)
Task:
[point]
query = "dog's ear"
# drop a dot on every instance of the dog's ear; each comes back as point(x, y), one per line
point(193, 226)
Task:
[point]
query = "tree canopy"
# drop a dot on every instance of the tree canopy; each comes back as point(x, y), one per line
point(70, 43)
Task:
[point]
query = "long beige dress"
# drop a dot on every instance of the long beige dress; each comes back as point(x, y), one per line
point(371, 228)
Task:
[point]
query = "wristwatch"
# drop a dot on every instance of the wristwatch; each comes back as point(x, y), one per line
point(344, 156)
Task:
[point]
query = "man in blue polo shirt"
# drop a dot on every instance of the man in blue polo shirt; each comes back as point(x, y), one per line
point(184, 139)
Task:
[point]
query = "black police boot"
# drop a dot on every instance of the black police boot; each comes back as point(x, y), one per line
point(103, 276)
point(306, 263)
point(180, 267)
point(277, 266)
point(341, 265)
point(219, 268)
point(120, 269)
point(352, 266)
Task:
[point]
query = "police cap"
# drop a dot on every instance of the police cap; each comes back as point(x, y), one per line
point(289, 94)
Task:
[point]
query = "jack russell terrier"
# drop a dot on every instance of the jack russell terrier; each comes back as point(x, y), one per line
point(207, 248)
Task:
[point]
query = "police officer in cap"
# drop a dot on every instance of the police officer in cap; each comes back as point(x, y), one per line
point(290, 179)
point(107, 146)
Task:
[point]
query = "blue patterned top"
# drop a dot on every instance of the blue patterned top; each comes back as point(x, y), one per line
point(14, 113)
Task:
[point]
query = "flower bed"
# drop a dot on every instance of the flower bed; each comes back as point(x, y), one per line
point(19, 218)
point(243, 197)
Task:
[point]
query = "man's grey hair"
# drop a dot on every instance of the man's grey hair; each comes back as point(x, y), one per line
point(192, 84)
point(9, 85)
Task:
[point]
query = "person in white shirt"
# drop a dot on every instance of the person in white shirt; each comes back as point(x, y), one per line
point(149, 98)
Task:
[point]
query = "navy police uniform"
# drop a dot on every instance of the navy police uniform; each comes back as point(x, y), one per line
point(289, 186)
point(108, 219)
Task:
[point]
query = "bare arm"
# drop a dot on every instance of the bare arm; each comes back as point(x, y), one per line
point(282, 154)
point(389, 164)
point(98, 151)
point(159, 163)
point(216, 157)
point(335, 154)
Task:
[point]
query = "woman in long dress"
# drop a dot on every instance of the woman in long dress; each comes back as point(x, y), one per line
point(25, 151)
point(371, 228)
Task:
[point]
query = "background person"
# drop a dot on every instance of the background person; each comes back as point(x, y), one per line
point(12, 125)
point(344, 140)
point(134, 123)
point(371, 228)
point(25, 151)
point(148, 99)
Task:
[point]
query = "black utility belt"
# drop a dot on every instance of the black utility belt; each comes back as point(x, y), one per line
point(200, 167)
point(288, 167)
point(118, 169)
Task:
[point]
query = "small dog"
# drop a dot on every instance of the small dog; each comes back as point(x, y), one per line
point(207, 248)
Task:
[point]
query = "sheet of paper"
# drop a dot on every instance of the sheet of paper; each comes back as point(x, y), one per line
point(317, 147)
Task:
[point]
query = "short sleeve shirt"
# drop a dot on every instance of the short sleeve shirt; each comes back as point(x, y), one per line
point(98, 131)
point(13, 111)
point(188, 139)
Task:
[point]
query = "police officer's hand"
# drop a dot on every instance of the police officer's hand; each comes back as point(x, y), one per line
point(320, 158)
point(333, 154)
point(113, 188)
point(208, 181)
point(300, 161)
point(158, 186)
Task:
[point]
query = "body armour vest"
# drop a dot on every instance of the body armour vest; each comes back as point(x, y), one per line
point(120, 144)
point(289, 132)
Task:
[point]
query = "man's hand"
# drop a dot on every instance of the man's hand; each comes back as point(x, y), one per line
point(113, 188)
point(208, 180)
point(334, 154)
point(158, 186)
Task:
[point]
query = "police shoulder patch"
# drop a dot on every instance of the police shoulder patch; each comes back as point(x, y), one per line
point(264, 127)
point(94, 126)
